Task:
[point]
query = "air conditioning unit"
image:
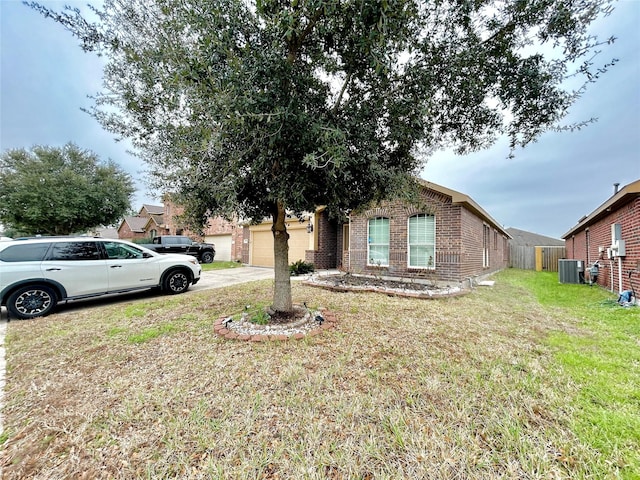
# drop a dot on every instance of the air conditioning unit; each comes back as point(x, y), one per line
point(569, 271)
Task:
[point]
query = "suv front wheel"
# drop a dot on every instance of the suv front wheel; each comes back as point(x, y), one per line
point(206, 257)
point(32, 301)
point(176, 282)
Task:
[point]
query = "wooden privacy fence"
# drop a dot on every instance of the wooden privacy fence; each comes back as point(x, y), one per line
point(541, 259)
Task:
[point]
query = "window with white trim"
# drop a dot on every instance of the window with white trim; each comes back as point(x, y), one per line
point(378, 244)
point(486, 240)
point(422, 241)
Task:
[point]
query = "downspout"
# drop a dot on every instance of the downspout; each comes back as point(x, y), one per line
point(611, 268)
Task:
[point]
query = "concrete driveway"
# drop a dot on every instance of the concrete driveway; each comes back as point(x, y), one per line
point(231, 276)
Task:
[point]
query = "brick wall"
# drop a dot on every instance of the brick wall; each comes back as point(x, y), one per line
point(459, 241)
point(326, 234)
point(584, 246)
point(221, 226)
point(126, 233)
point(214, 226)
point(246, 235)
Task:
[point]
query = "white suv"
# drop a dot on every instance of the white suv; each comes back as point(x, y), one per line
point(38, 273)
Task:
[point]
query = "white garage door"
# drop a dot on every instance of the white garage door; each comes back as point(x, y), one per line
point(223, 246)
point(261, 251)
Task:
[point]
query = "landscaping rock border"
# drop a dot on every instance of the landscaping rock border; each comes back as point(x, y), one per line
point(400, 289)
point(279, 332)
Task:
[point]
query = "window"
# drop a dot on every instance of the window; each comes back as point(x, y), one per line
point(422, 241)
point(378, 244)
point(74, 251)
point(117, 250)
point(486, 240)
point(30, 252)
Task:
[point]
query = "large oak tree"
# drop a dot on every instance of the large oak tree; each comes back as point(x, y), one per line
point(256, 108)
point(59, 191)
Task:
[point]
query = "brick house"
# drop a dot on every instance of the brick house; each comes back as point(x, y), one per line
point(227, 236)
point(610, 235)
point(149, 222)
point(446, 237)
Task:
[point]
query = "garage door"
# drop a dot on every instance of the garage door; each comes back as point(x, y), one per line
point(261, 246)
point(223, 246)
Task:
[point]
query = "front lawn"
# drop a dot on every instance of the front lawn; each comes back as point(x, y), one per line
point(219, 265)
point(526, 379)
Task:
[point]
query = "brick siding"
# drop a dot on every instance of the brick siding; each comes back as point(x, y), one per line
point(459, 241)
point(583, 245)
point(327, 233)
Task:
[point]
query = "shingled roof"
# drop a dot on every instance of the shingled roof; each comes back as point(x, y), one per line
point(530, 239)
point(136, 224)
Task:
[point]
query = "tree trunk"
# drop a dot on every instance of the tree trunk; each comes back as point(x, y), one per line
point(282, 292)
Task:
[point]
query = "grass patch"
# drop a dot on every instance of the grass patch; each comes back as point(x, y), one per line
point(527, 379)
point(151, 332)
point(219, 265)
point(605, 363)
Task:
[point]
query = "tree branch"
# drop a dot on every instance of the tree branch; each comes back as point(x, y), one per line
point(341, 94)
point(294, 46)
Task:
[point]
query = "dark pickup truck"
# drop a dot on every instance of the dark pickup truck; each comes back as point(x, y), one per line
point(204, 252)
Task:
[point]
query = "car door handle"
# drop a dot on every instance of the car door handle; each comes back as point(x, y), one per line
point(53, 269)
point(116, 266)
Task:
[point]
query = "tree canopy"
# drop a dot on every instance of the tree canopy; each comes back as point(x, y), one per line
point(255, 107)
point(60, 191)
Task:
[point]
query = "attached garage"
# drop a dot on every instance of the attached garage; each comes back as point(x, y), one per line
point(223, 246)
point(261, 243)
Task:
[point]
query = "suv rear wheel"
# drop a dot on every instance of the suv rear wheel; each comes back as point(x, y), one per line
point(32, 301)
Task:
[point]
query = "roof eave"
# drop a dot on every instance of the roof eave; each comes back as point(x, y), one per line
point(465, 200)
point(622, 197)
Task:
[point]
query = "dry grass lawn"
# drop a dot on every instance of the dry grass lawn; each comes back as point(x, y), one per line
point(460, 388)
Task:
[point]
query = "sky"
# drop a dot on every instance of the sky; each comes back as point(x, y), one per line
point(45, 80)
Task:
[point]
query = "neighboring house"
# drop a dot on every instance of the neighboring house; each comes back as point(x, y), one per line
point(152, 210)
point(531, 251)
point(610, 235)
point(148, 223)
point(227, 236)
point(153, 220)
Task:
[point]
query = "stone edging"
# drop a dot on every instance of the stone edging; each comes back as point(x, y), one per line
point(387, 291)
point(330, 323)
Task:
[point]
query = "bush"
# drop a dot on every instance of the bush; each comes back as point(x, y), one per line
point(141, 241)
point(301, 267)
